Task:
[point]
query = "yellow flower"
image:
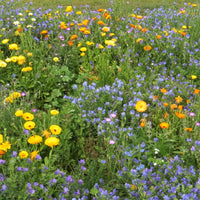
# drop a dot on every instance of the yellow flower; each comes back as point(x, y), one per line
point(21, 60)
point(28, 116)
point(3, 64)
point(188, 129)
point(141, 106)
point(14, 58)
point(16, 95)
point(193, 77)
point(36, 139)
point(52, 141)
point(54, 112)
point(78, 12)
point(55, 59)
point(13, 47)
point(139, 40)
point(29, 54)
point(164, 125)
point(46, 133)
point(29, 125)
point(69, 9)
point(133, 187)
point(23, 154)
point(8, 60)
point(82, 54)
point(19, 113)
point(1, 138)
point(110, 42)
point(194, 5)
point(5, 41)
point(106, 29)
point(34, 154)
point(83, 49)
point(101, 46)
point(9, 99)
point(178, 99)
point(26, 69)
point(55, 129)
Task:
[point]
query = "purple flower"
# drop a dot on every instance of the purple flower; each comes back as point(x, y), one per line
point(192, 114)
point(34, 110)
point(197, 123)
point(14, 154)
point(111, 142)
point(82, 162)
point(113, 115)
point(4, 187)
point(2, 161)
point(23, 94)
point(26, 131)
point(192, 148)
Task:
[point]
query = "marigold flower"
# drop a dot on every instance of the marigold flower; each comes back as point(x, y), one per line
point(14, 58)
point(147, 48)
point(26, 69)
point(70, 43)
point(100, 22)
point(158, 37)
point(196, 91)
point(43, 32)
point(164, 125)
point(55, 129)
point(73, 37)
point(28, 116)
point(180, 115)
point(5, 41)
point(55, 59)
point(46, 133)
point(163, 90)
point(34, 154)
point(19, 113)
point(193, 77)
point(1, 153)
point(178, 99)
point(35, 139)
point(83, 49)
point(180, 107)
point(29, 125)
point(106, 29)
point(52, 141)
point(69, 9)
point(3, 64)
point(21, 60)
point(173, 106)
point(165, 104)
point(142, 124)
point(13, 47)
point(54, 112)
point(23, 154)
point(166, 115)
point(5, 146)
point(78, 12)
point(194, 5)
point(141, 106)
point(188, 129)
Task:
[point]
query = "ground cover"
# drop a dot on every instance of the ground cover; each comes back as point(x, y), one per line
point(99, 103)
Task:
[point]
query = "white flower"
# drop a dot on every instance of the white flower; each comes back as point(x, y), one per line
point(33, 19)
point(29, 26)
point(30, 14)
point(22, 19)
point(16, 22)
point(20, 14)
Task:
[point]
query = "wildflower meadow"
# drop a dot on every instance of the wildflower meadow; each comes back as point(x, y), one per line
point(99, 104)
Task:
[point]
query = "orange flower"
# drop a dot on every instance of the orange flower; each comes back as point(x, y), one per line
point(100, 10)
point(147, 48)
point(46, 36)
point(133, 26)
point(180, 107)
point(100, 22)
point(165, 104)
point(165, 116)
point(188, 129)
point(178, 99)
point(180, 115)
point(196, 91)
point(187, 101)
point(85, 22)
point(43, 32)
point(70, 43)
point(164, 125)
point(163, 90)
point(20, 29)
point(173, 106)
point(1, 153)
point(72, 24)
point(155, 97)
point(142, 124)
point(159, 37)
point(144, 30)
point(73, 37)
